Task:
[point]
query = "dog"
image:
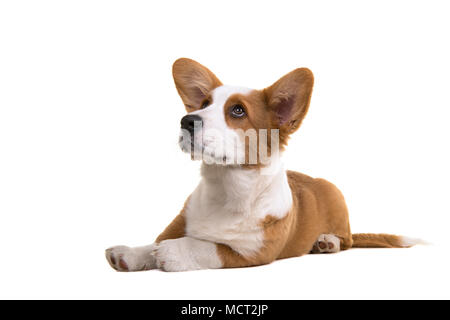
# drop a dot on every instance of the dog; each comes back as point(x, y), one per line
point(247, 209)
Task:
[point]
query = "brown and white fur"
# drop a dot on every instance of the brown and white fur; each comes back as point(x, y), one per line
point(240, 216)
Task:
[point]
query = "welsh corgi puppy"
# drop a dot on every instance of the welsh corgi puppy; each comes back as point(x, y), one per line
point(247, 209)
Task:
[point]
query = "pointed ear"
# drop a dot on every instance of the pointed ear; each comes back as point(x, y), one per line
point(193, 82)
point(289, 98)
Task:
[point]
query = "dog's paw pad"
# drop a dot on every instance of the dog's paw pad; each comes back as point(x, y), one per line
point(122, 264)
point(322, 245)
point(120, 258)
point(326, 243)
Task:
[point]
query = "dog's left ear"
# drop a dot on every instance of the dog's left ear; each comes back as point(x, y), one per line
point(193, 81)
point(289, 98)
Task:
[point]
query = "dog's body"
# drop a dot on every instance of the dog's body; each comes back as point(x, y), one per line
point(247, 214)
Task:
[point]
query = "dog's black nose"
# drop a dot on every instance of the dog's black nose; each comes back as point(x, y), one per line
point(191, 121)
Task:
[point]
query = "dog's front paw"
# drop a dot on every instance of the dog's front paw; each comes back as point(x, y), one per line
point(185, 254)
point(125, 259)
point(172, 255)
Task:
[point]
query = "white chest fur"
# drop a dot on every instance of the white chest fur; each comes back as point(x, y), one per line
point(230, 203)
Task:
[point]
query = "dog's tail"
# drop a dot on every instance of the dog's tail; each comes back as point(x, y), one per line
point(382, 240)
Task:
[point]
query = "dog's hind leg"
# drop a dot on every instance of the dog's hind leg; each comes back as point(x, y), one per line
point(327, 243)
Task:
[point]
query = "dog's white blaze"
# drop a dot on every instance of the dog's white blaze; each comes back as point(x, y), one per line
point(229, 205)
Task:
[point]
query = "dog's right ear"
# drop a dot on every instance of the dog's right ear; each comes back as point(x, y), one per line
point(193, 82)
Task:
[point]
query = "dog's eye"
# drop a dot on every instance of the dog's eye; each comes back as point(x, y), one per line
point(237, 111)
point(204, 104)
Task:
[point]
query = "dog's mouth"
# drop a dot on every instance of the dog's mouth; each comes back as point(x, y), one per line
point(202, 152)
point(189, 146)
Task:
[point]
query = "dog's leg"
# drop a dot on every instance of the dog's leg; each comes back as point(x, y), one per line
point(326, 243)
point(185, 254)
point(123, 258)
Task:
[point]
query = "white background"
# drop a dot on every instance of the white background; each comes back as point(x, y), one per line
point(89, 121)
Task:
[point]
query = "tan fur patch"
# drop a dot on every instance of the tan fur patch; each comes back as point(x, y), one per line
point(380, 240)
point(258, 116)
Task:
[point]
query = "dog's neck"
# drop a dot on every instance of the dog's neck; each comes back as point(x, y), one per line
point(244, 190)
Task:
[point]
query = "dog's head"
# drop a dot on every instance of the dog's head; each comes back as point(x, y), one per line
point(234, 125)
